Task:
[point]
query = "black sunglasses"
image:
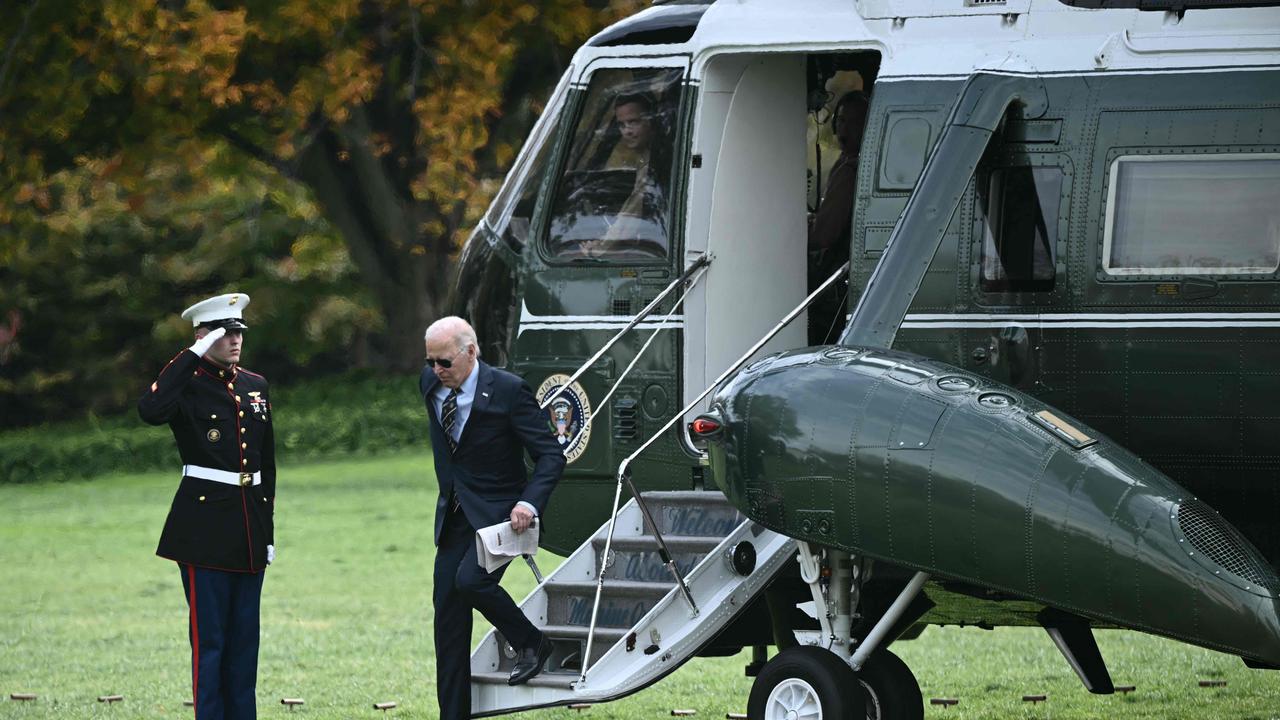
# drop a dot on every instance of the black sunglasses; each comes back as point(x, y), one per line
point(445, 363)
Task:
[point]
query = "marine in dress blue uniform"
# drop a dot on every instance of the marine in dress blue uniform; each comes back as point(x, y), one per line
point(483, 421)
point(220, 526)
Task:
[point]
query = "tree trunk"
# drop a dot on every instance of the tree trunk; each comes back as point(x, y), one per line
point(407, 274)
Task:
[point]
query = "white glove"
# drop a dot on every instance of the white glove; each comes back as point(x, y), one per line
point(202, 345)
point(271, 554)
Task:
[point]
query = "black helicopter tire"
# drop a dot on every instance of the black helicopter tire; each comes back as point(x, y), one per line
point(890, 689)
point(811, 682)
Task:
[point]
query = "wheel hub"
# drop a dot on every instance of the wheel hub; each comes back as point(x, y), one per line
point(793, 699)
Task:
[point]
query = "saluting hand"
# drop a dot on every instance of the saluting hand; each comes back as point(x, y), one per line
point(521, 518)
point(202, 345)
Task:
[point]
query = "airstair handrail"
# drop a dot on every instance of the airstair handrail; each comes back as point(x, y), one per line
point(624, 472)
point(701, 261)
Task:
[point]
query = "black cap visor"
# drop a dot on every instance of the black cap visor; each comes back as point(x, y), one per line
point(229, 323)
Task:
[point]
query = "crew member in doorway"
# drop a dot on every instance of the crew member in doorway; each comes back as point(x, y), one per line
point(483, 420)
point(220, 527)
point(829, 232)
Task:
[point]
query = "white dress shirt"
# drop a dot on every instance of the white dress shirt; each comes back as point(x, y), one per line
point(466, 396)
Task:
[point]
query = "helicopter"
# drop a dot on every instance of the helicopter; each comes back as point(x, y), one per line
point(1046, 398)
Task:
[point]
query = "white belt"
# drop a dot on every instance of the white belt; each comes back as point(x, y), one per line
point(222, 476)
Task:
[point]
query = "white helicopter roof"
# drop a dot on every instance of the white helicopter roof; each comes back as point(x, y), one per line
point(954, 38)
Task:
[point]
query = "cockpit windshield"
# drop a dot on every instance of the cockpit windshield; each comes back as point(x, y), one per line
point(613, 202)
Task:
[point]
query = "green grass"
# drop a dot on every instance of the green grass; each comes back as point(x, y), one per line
point(86, 609)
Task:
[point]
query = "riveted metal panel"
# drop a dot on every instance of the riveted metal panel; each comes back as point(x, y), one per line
point(994, 500)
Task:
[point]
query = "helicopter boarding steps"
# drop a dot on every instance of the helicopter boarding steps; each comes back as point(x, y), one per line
point(645, 627)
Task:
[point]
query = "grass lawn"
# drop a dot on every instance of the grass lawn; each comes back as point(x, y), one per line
point(86, 609)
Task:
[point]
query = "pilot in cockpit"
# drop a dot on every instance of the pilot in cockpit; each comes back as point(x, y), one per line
point(633, 115)
point(613, 201)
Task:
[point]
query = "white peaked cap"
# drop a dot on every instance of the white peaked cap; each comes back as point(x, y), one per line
point(223, 307)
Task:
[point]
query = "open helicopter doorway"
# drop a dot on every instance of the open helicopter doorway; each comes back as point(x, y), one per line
point(756, 183)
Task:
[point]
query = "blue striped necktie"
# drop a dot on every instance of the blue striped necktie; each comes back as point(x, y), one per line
point(449, 418)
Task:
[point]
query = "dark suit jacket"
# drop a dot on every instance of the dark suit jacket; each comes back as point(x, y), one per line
point(487, 470)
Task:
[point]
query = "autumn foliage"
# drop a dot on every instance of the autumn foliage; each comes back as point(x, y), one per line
point(326, 156)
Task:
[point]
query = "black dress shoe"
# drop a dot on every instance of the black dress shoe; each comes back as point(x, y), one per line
point(529, 662)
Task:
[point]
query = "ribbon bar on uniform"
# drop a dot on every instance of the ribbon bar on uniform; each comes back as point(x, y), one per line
point(223, 476)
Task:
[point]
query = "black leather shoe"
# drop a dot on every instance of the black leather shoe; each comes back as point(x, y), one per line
point(529, 662)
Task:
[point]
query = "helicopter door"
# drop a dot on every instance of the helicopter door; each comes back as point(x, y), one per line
point(747, 209)
point(607, 245)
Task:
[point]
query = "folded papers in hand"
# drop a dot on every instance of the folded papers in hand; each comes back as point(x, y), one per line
point(497, 544)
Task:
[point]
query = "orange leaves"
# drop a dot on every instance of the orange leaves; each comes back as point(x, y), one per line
point(317, 18)
point(476, 46)
point(463, 92)
point(264, 97)
point(352, 80)
point(179, 55)
point(416, 89)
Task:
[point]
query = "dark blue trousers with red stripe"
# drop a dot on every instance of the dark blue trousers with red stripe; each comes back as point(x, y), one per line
point(224, 641)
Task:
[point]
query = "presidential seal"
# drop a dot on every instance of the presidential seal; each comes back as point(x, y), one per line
point(567, 415)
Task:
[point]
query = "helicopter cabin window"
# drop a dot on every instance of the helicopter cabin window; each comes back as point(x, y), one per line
point(1020, 229)
point(1193, 215)
point(613, 202)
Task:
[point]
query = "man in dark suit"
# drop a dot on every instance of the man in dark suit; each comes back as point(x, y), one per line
point(220, 527)
point(482, 420)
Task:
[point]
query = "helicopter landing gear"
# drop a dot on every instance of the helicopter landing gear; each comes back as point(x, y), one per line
point(887, 687)
point(805, 683)
point(890, 689)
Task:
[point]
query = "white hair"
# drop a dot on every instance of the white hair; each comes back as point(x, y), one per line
point(456, 329)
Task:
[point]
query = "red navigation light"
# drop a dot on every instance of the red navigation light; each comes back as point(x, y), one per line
point(704, 426)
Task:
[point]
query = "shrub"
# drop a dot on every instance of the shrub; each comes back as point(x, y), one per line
point(355, 413)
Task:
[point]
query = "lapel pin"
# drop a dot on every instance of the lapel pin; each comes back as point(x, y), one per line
point(485, 394)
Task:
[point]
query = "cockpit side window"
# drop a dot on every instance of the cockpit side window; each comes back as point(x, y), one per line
point(613, 201)
point(516, 228)
point(511, 212)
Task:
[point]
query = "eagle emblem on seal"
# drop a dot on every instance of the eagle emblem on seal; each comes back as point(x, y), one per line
point(568, 414)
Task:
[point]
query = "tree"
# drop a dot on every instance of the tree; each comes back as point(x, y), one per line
point(398, 116)
point(94, 281)
point(128, 127)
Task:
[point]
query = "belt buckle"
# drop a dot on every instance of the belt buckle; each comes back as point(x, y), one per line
point(246, 479)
